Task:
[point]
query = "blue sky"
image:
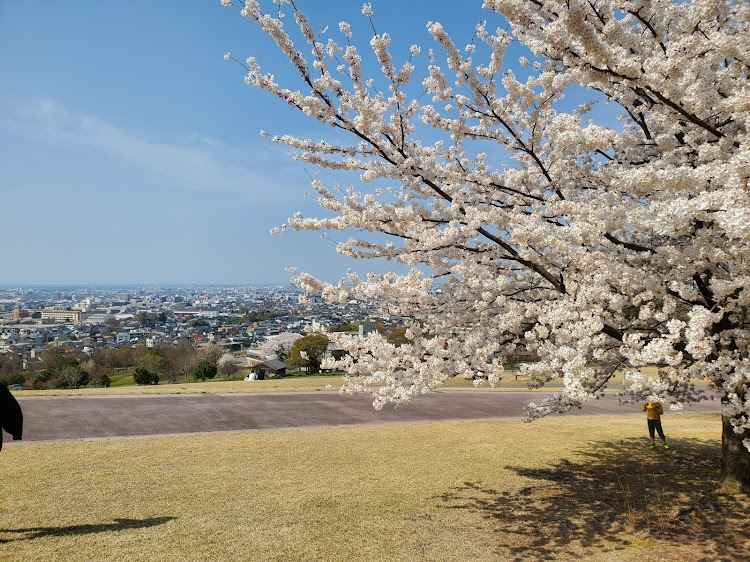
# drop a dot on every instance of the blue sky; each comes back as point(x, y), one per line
point(130, 149)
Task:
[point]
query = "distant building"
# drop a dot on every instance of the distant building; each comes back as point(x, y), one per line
point(307, 298)
point(62, 315)
point(196, 311)
point(98, 318)
point(123, 337)
point(270, 367)
point(253, 357)
point(152, 342)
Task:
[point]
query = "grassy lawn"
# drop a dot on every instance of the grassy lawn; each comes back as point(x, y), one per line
point(122, 377)
point(560, 488)
point(292, 384)
point(310, 383)
point(123, 384)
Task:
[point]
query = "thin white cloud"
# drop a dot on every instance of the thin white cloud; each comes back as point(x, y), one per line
point(193, 163)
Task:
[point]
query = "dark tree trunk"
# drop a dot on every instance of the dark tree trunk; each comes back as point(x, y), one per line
point(735, 460)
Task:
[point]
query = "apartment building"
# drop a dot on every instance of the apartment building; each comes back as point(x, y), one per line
point(69, 316)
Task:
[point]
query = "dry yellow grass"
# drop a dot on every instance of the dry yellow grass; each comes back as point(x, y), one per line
point(294, 384)
point(555, 489)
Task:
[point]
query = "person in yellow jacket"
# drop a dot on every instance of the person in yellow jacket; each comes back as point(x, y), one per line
point(654, 411)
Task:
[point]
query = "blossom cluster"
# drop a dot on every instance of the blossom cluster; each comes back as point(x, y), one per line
point(591, 248)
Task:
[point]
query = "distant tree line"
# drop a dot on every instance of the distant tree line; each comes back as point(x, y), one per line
point(150, 319)
point(60, 369)
point(249, 316)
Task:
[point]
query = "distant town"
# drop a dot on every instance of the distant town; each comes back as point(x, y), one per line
point(87, 323)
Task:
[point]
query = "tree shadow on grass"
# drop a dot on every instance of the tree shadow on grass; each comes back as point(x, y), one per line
point(612, 496)
point(68, 530)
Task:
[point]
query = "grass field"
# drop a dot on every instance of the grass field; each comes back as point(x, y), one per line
point(293, 384)
point(511, 382)
point(562, 488)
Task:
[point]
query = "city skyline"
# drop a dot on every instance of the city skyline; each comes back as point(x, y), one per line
point(130, 151)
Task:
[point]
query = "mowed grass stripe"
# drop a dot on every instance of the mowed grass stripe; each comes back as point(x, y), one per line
point(441, 491)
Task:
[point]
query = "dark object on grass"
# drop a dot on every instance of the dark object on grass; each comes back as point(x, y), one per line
point(11, 418)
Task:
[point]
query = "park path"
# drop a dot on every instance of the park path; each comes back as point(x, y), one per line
point(82, 418)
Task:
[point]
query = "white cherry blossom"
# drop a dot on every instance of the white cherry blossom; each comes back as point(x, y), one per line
point(534, 231)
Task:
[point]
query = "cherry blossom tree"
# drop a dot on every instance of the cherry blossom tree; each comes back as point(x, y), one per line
point(528, 225)
point(278, 346)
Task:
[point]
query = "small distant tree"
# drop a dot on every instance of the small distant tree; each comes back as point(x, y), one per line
point(227, 366)
point(279, 346)
point(143, 376)
point(182, 359)
point(205, 370)
point(107, 358)
point(95, 371)
point(150, 359)
point(52, 356)
point(125, 356)
point(42, 379)
point(60, 370)
point(309, 352)
point(211, 352)
point(71, 376)
point(11, 364)
point(13, 379)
